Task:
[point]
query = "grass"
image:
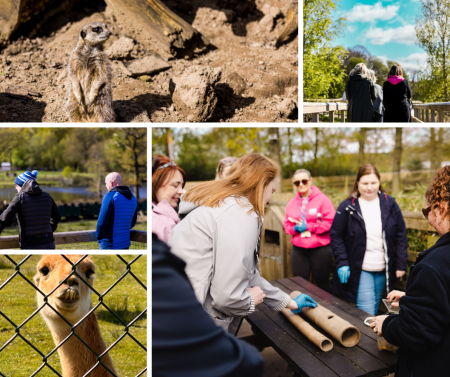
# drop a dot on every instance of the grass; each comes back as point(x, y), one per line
point(128, 299)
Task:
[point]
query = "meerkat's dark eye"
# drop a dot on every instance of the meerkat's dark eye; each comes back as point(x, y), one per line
point(97, 29)
point(89, 273)
point(44, 270)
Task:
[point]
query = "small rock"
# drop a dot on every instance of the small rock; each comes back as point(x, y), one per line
point(267, 23)
point(262, 107)
point(250, 84)
point(236, 82)
point(14, 50)
point(287, 108)
point(27, 66)
point(147, 65)
point(120, 49)
point(225, 16)
point(172, 108)
point(261, 62)
point(261, 67)
point(273, 12)
point(123, 69)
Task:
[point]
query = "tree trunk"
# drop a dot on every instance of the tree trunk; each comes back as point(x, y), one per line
point(316, 151)
point(432, 148)
point(440, 143)
point(274, 137)
point(396, 161)
point(362, 144)
point(291, 170)
point(157, 28)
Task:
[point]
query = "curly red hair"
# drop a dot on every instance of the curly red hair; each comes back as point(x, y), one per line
point(438, 192)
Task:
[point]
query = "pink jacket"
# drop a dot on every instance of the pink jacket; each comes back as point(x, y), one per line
point(320, 230)
point(164, 218)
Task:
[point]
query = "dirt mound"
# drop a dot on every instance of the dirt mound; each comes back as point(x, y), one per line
point(255, 83)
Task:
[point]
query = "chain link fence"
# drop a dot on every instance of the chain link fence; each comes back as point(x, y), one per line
point(19, 327)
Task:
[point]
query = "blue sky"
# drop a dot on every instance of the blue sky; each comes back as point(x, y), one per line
point(385, 28)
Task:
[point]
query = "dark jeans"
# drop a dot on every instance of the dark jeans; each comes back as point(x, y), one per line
point(318, 259)
point(45, 246)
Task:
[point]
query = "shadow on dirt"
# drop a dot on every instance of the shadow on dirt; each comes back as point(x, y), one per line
point(154, 102)
point(228, 102)
point(18, 108)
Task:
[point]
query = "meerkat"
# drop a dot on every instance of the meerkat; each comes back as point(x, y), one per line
point(291, 23)
point(89, 77)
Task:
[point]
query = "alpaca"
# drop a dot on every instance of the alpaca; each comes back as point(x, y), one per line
point(73, 301)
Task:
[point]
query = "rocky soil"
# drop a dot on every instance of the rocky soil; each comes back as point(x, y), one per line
point(241, 78)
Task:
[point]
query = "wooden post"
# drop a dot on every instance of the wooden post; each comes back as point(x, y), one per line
point(427, 112)
point(422, 114)
point(331, 115)
point(315, 117)
point(441, 116)
point(416, 113)
point(433, 116)
point(342, 116)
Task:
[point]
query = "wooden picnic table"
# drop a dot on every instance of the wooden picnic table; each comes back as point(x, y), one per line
point(304, 358)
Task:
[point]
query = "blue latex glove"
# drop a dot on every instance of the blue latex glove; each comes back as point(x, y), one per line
point(304, 301)
point(300, 228)
point(343, 273)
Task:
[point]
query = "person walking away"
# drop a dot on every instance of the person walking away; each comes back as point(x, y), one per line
point(397, 97)
point(168, 182)
point(37, 213)
point(378, 107)
point(308, 218)
point(360, 93)
point(219, 239)
point(118, 214)
point(422, 327)
point(224, 167)
point(369, 242)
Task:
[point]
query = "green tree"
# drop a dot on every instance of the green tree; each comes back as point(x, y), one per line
point(322, 71)
point(433, 34)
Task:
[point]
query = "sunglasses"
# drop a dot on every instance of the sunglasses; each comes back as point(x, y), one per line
point(426, 211)
point(304, 182)
point(231, 160)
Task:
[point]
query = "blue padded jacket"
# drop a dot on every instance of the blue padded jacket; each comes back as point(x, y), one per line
point(118, 215)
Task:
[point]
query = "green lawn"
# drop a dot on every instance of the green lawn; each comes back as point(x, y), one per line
point(127, 299)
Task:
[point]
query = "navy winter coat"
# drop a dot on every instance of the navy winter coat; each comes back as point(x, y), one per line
point(422, 328)
point(348, 242)
point(185, 340)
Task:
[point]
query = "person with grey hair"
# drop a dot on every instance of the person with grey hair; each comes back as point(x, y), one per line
point(308, 218)
point(360, 93)
point(378, 106)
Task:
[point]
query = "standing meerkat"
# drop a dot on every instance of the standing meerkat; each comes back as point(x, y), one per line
point(291, 23)
point(89, 76)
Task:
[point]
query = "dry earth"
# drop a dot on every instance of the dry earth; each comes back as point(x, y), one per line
point(258, 83)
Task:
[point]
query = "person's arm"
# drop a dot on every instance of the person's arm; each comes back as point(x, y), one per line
point(105, 212)
point(408, 90)
point(133, 222)
point(401, 241)
point(338, 232)
point(328, 213)
point(347, 90)
point(424, 314)
point(288, 224)
point(8, 214)
point(184, 332)
point(373, 92)
point(55, 216)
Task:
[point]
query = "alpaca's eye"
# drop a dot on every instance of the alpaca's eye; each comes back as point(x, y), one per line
point(44, 271)
point(89, 273)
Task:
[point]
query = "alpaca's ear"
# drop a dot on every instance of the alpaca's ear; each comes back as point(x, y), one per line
point(37, 279)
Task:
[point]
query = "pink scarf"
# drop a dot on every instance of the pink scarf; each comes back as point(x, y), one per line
point(394, 80)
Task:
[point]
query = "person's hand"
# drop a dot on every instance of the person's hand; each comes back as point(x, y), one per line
point(399, 273)
point(299, 221)
point(394, 296)
point(300, 228)
point(303, 301)
point(258, 294)
point(344, 274)
point(377, 324)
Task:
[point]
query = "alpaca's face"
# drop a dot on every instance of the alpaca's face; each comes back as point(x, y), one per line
point(72, 299)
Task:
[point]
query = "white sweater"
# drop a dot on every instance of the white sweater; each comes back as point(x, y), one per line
point(374, 256)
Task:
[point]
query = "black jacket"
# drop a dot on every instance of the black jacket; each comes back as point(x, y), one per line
point(37, 215)
point(422, 328)
point(396, 102)
point(349, 239)
point(185, 340)
point(360, 93)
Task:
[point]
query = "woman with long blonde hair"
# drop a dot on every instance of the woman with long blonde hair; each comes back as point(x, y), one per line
point(219, 239)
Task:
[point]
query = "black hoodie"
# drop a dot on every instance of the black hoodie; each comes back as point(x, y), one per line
point(37, 215)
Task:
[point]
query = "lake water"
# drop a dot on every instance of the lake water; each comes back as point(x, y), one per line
point(67, 194)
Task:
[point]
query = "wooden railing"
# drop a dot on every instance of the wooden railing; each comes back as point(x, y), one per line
point(426, 112)
point(317, 108)
point(67, 239)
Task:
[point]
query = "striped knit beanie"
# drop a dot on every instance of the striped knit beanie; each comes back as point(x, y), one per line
point(22, 178)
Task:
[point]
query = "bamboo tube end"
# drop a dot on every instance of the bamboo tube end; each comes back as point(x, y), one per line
point(326, 345)
point(350, 337)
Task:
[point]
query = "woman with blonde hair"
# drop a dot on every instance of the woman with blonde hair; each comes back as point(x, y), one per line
point(378, 107)
point(219, 239)
point(360, 93)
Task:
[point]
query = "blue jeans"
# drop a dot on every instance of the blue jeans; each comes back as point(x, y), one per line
point(370, 290)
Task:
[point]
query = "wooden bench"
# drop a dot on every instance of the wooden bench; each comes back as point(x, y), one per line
point(304, 358)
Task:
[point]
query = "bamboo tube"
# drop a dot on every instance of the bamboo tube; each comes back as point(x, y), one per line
point(341, 330)
point(310, 332)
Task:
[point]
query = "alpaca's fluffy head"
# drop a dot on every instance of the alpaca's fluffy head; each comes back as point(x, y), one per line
point(72, 299)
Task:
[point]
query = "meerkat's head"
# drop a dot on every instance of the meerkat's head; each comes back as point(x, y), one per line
point(95, 33)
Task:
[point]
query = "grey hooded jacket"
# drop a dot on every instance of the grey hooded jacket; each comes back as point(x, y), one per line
point(220, 248)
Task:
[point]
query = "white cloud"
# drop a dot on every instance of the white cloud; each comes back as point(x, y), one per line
point(414, 61)
point(351, 28)
point(383, 58)
point(371, 13)
point(403, 34)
